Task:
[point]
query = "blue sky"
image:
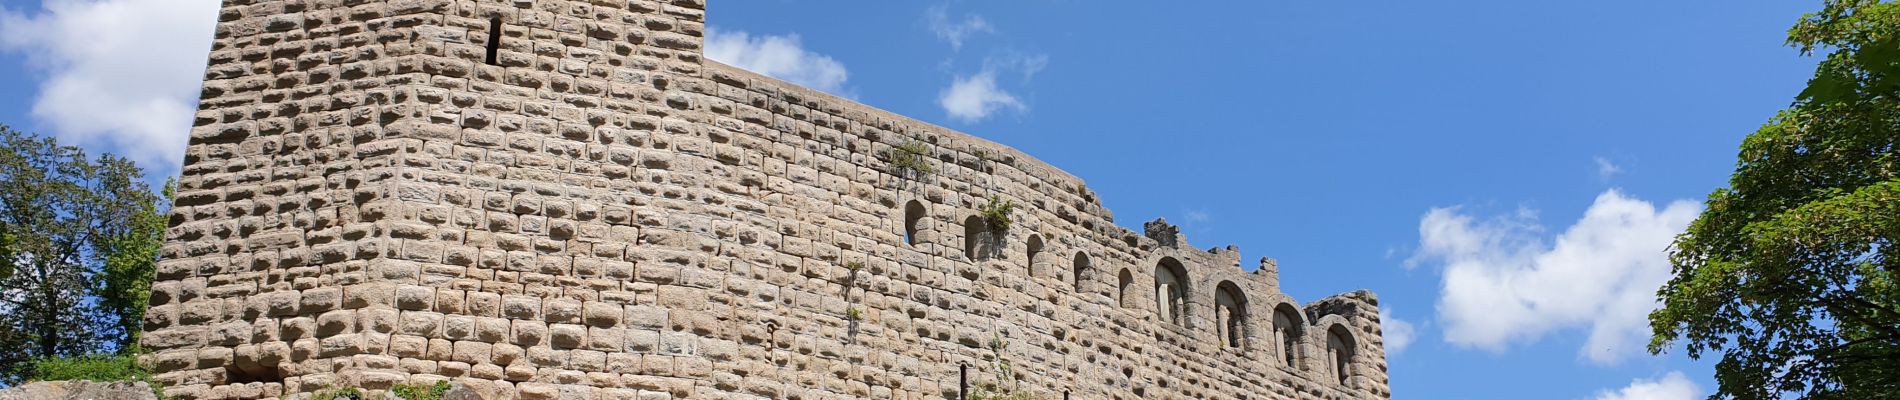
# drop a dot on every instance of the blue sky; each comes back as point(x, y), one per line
point(1505, 174)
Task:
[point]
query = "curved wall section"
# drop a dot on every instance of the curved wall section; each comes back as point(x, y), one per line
point(382, 192)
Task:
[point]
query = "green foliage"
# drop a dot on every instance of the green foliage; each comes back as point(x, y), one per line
point(420, 392)
point(131, 259)
point(97, 368)
point(996, 213)
point(853, 314)
point(854, 266)
point(338, 394)
point(912, 159)
point(1790, 272)
point(78, 239)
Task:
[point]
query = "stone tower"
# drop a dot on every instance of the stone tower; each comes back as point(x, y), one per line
point(563, 199)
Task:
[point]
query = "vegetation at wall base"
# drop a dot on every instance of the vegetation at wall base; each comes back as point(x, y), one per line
point(1790, 272)
point(96, 368)
point(338, 394)
point(420, 391)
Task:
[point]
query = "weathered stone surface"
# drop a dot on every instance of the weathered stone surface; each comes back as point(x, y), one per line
point(79, 390)
point(604, 213)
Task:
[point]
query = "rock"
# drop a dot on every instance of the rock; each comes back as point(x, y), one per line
point(79, 390)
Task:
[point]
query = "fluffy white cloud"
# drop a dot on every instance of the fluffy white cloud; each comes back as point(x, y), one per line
point(780, 57)
point(1673, 386)
point(120, 75)
point(954, 32)
point(977, 97)
point(1398, 333)
point(974, 98)
point(1504, 284)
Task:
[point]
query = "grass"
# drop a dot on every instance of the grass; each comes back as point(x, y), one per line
point(96, 368)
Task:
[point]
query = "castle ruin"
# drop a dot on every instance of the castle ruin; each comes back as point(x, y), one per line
point(563, 199)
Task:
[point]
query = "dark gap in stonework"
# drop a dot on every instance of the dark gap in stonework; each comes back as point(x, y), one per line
point(494, 39)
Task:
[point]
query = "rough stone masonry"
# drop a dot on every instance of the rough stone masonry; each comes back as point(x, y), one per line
point(547, 199)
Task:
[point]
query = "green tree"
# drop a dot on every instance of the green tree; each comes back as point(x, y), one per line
point(1789, 273)
point(78, 240)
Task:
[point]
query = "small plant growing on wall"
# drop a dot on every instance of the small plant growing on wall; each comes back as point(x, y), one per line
point(853, 314)
point(851, 272)
point(1007, 386)
point(996, 213)
point(911, 160)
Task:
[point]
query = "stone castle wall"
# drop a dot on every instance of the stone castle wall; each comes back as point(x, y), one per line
point(602, 213)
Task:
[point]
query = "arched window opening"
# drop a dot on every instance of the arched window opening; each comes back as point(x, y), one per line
point(913, 214)
point(1035, 248)
point(1339, 346)
point(494, 40)
point(1126, 282)
point(1171, 291)
point(1231, 309)
point(976, 235)
point(1081, 268)
point(1286, 327)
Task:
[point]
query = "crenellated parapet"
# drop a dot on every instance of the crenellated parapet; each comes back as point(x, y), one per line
point(563, 199)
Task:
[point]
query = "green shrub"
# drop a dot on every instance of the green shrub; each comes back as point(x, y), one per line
point(99, 368)
point(338, 394)
point(96, 368)
point(910, 158)
point(996, 213)
point(421, 392)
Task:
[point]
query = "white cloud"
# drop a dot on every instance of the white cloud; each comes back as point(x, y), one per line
point(120, 75)
point(1673, 386)
point(975, 98)
point(1607, 169)
point(955, 32)
point(1503, 284)
point(1398, 333)
point(780, 57)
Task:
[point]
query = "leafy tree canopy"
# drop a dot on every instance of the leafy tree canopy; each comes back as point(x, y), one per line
point(1789, 273)
point(78, 240)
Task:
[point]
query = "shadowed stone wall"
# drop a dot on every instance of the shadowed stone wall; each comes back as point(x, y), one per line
point(602, 213)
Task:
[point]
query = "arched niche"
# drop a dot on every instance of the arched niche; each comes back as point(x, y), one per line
point(1288, 331)
point(1230, 315)
point(1341, 347)
point(1171, 291)
point(1034, 251)
point(1124, 288)
point(1080, 270)
point(914, 214)
point(977, 241)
